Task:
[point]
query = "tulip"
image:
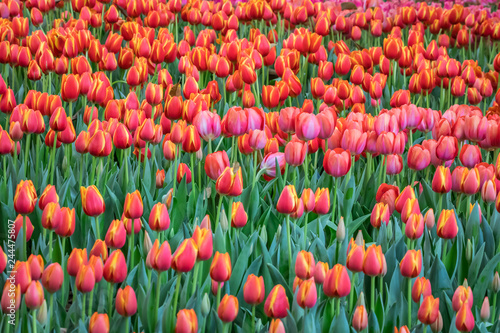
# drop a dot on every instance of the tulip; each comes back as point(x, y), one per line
point(187, 322)
point(115, 268)
point(52, 277)
point(470, 155)
point(276, 305)
point(441, 182)
point(337, 162)
point(380, 213)
point(66, 227)
point(11, 298)
point(92, 201)
point(307, 294)
point(488, 191)
point(126, 302)
point(49, 195)
point(360, 318)
point(407, 193)
point(34, 295)
point(230, 181)
point(322, 201)
point(183, 170)
point(429, 310)
point(185, 255)
point(276, 326)
point(36, 266)
point(85, 279)
point(337, 283)
point(204, 242)
point(116, 235)
point(447, 148)
point(418, 158)
point(133, 207)
point(18, 224)
point(288, 202)
point(447, 224)
point(159, 257)
point(485, 309)
point(77, 258)
point(99, 323)
point(464, 320)
point(253, 290)
point(160, 178)
point(228, 308)
point(462, 296)
point(373, 261)
point(22, 275)
point(421, 287)
point(470, 181)
point(355, 256)
point(25, 197)
point(411, 264)
point(239, 217)
point(295, 153)
point(159, 220)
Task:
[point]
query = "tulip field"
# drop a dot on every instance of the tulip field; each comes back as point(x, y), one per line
point(255, 166)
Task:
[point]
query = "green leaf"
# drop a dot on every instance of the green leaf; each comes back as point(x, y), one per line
point(241, 265)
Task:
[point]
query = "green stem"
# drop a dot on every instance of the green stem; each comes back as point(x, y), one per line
point(53, 159)
point(409, 303)
point(158, 286)
point(351, 294)
point(51, 232)
point(306, 171)
point(334, 207)
point(33, 318)
point(305, 230)
point(253, 318)
point(91, 301)
point(145, 158)
point(372, 294)
point(289, 242)
point(195, 277)
point(494, 310)
point(24, 238)
point(26, 154)
point(51, 311)
point(84, 298)
point(221, 197)
point(110, 299)
point(176, 295)
point(218, 297)
point(97, 231)
point(92, 170)
point(193, 183)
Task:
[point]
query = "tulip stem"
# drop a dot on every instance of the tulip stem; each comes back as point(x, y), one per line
point(92, 171)
point(253, 318)
point(53, 159)
point(174, 176)
point(193, 183)
point(221, 197)
point(97, 232)
point(494, 310)
point(51, 311)
point(409, 302)
point(145, 158)
point(158, 285)
point(351, 294)
point(306, 171)
point(110, 299)
point(84, 298)
point(91, 299)
point(334, 207)
point(305, 230)
point(50, 244)
point(372, 294)
point(26, 154)
point(131, 245)
point(33, 318)
point(176, 295)
point(445, 245)
point(195, 277)
point(24, 238)
point(289, 243)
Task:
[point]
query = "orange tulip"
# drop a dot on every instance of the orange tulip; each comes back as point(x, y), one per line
point(92, 201)
point(185, 255)
point(277, 305)
point(115, 268)
point(126, 302)
point(187, 322)
point(220, 269)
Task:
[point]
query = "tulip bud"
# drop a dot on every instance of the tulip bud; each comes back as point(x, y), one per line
point(34, 295)
point(429, 310)
point(360, 318)
point(99, 323)
point(147, 244)
point(253, 290)
point(185, 255)
point(187, 322)
point(41, 314)
point(126, 302)
point(337, 282)
point(276, 305)
point(115, 269)
point(52, 277)
point(340, 230)
point(485, 309)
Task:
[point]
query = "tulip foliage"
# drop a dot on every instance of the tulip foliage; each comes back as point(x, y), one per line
point(258, 166)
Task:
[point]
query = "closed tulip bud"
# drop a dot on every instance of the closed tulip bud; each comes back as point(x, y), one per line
point(421, 287)
point(228, 308)
point(441, 182)
point(447, 224)
point(159, 257)
point(36, 266)
point(470, 181)
point(304, 265)
point(411, 206)
point(85, 279)
point(488, 191)
point(470, 155)
point(307, 294)
point(99, 323)
point(239, 217)
point(320, 272)
point(337, 162)
point(373, 261)
point(340, 233)
point(52, 277)
point(307, 126)
point(116, 235)
point(160, 178)
point(115, 268)
point(126, 302)
point(66, 227)
point(92, 201)
point(485, 310)
point(360, 318)
point(220, 269)
point(230, 181)
point(18, 225)
point(25, 197)
point(133, 207)
point(288, 202)
point(51, 216)
point(295, 153)
point(11, 298)
point(77, 258)
point(355, 256)
point(337, 282)
point(185, 255)
point(22, 275)
point(34, 295)
point(187, 322)
point(429, 219)
point(464, 320)
point(253, 290)
point(380, 213)
point(407, 193)
point(462, 296)
point(182, 171)
point(159, 219)
point(276, 305)
point(418, 157)
point(411, 264)
point(447, 148)
point(429, 310)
